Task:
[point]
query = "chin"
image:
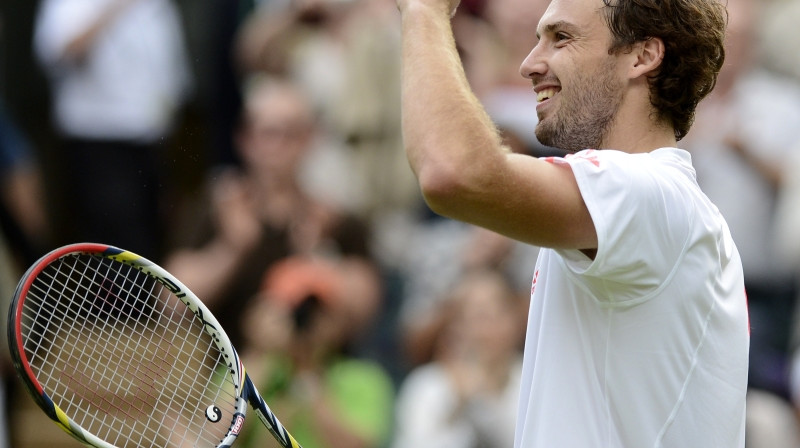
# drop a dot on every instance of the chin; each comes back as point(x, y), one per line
point(544, 135)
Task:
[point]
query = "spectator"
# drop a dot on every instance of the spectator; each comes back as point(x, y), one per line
point(22, 209)
point(22, 232)
point(467, 396)
point(298, 331)
point(788, 220)
point(440, 253)
point(355, 43)
point(249, 216)
point(119, 76)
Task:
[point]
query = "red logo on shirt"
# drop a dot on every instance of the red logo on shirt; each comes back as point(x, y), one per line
point(555, 160)
point(589, 155)
point(535, 279)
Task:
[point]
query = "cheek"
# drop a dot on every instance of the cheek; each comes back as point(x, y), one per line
point(274, 154)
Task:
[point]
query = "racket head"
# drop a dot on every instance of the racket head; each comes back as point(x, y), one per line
point(119, 353)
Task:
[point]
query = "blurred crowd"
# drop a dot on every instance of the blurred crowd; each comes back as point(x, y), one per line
point(253, 149)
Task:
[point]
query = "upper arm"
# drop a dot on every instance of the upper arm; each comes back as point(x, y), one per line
point(522, 197)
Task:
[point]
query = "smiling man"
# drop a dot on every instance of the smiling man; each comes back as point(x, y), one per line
point(638, 328)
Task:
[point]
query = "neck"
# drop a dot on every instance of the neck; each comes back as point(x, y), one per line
point(642, 140)
point(636, 129)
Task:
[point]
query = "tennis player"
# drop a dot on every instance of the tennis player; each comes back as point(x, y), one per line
point(638, 332)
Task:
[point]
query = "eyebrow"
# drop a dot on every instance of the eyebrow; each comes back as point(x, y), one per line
point(551, 28)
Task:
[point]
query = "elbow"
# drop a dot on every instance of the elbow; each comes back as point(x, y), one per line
point(454, 177)
point(442, 188)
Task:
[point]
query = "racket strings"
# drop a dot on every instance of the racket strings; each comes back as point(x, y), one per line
point(91, 323)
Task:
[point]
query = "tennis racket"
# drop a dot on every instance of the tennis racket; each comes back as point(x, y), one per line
point(119, 353)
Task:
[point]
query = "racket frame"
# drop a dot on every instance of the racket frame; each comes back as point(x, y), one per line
point(192, 302)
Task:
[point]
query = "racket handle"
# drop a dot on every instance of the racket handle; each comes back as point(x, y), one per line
point(266, 415)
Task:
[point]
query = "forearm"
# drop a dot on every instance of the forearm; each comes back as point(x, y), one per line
point(447, 134)
point(206, 271)
point(456, 152)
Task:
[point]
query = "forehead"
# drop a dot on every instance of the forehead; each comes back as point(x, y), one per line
point(584, 15)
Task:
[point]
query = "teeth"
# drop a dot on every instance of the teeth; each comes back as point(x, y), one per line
point(546, 94)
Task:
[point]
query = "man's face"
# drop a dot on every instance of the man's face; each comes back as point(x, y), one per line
point(278, 132)
point(577, 81)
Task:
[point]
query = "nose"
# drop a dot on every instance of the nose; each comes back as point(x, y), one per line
point(534, 64)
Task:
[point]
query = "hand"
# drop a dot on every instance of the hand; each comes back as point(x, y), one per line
point(234, 212)
point(448, 6)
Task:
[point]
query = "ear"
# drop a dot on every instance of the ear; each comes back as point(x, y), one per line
point(648, 56)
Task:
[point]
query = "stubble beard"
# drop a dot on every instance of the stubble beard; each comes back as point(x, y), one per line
point(584, 120)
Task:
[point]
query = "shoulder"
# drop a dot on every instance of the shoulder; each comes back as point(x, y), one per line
point(624, 180)
point(609, 162)
point(643, 207)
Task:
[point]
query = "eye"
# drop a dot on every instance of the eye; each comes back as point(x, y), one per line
point(560, 37)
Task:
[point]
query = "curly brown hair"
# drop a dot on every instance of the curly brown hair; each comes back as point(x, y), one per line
point(693, 32)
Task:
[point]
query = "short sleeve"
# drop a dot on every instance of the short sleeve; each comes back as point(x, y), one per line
point(641, 214)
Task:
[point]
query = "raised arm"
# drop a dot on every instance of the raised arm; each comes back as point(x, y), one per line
point(456, 153)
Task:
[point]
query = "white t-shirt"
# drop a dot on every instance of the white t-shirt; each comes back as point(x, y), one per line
point(647, 345)
point(134, 78)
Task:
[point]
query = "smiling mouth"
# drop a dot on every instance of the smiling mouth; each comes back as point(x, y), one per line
point(546, 94)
